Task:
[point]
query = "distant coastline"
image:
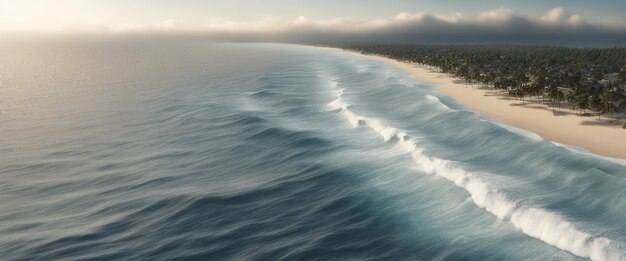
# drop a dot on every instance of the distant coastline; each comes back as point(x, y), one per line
point(563, 126)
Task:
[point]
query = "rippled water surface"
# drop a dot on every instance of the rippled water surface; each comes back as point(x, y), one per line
point(158, 150)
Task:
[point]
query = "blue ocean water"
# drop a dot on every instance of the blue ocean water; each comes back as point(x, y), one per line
point(188, 150)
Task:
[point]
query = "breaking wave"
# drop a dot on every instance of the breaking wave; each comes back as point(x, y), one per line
point(538, 223)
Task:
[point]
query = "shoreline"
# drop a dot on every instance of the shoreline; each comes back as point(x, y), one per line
point(563, 126)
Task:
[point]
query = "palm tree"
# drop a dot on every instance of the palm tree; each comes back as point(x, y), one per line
point(490, 79)
point(607, 106)
point(596, 104)
point(560, 96)
point(583, 103)
point(571, 99)
point(622, 104)
point(553, 95)
point(622, 75)
point(536, 88)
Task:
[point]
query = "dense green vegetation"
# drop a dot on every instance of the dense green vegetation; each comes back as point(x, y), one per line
point(587, 79)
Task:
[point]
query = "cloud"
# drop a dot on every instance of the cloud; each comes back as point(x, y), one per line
point(559, 15)
point(498, 26)
point(497, 15)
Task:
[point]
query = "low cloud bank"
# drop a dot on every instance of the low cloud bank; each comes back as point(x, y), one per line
point(498, 26)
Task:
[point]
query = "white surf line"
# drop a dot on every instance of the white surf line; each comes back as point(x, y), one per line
point(538, 223)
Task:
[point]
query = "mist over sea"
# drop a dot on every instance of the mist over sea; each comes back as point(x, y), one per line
point(157, 150)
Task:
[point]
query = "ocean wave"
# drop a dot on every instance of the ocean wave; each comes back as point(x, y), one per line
point(439, 102)
point(542, 224)
point(528, 134)
point(585, 152)
point(201, 162)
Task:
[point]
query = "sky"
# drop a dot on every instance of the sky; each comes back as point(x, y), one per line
point(427, 21)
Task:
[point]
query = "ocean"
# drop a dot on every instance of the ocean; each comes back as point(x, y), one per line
point(135, 149)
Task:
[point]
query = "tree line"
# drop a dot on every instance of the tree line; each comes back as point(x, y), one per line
point(585, 78)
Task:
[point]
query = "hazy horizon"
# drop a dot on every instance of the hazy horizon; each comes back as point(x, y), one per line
point(568, 23)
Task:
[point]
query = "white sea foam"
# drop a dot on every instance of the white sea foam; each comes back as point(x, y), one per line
point(545, 225)
point(438, 101)
point(432, 98)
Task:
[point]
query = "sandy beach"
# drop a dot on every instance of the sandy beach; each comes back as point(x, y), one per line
point(562, 126)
